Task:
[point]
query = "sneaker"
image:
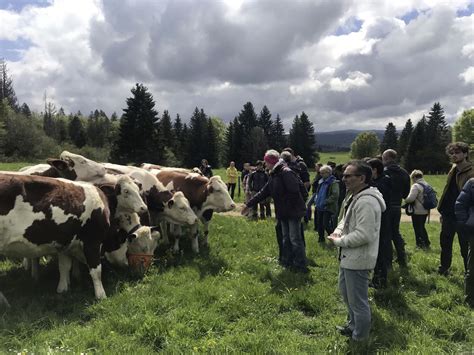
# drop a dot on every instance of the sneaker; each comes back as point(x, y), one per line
point(344, 330)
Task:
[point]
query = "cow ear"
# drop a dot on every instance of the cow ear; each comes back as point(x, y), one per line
point(170, 203)
point(58, 164)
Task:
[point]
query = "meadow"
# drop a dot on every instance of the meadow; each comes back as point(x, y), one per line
point(234, 297)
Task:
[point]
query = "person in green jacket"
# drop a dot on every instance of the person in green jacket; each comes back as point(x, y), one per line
point(327, 196)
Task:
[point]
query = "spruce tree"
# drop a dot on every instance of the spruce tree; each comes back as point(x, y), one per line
point(138, 140)
point(390, 138)
point(6, 87)
point(25, 110)
point(278, 139)
point(437, 137)
point(196, 149)
point(166, 129)
point(264, 121)
point(211, 151)
point(77, 132)
point(247, 121)
point(404, 139)
point(178, 146)
point(417, 149)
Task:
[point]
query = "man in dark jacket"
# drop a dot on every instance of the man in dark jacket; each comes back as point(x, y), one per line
point(400, 188)
point(461, 171)
point(205, 168)
point(464, 209)
point(289, 196)
point(256, 182)
point(297, 164)
point(384, 258)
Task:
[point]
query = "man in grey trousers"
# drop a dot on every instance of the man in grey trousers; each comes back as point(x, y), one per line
point(357, 236)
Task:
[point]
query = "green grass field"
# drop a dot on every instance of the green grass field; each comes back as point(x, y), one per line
point(234, 297)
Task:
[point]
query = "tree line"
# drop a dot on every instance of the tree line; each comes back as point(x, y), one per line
point(421, 146)
point(142, 135)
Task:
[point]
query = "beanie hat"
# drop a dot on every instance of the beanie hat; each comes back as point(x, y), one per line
point(271, 159)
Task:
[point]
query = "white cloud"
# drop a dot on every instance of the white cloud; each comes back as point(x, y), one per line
point(218, 55)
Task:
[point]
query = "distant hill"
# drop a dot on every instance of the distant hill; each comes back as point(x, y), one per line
point(340, 140)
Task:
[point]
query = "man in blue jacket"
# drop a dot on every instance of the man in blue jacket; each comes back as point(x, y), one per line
point(464, 210)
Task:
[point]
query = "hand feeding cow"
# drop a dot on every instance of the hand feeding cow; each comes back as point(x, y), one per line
point(43, 216)
point(205, 196)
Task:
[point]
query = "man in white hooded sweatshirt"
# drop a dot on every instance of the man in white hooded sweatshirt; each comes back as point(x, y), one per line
point(357, 236)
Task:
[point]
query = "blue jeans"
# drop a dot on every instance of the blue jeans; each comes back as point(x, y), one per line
point(354, 288)
point(293, 247)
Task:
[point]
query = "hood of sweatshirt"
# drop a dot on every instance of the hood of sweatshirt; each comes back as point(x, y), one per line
point(371, 192)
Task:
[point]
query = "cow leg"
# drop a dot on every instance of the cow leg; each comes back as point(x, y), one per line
point(32, 265)
point(65, 263)
point(176, 244)
point(76, 269)
point(3, 301)
point(92, 254)
point(96, 274)
point(206, 233)
point(195, 238)
point(164, 232)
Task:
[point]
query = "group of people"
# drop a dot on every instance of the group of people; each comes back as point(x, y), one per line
point(359, 206)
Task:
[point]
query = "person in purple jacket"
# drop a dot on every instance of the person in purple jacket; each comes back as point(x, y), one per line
point(289, 196)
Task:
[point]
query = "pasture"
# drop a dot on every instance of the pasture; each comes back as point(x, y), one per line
point(234, 297)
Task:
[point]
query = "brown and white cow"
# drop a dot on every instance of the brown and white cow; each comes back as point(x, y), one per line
point(163, 204)
point(205, 196)
point(42, 216)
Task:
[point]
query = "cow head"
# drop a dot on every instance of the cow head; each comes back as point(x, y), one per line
point(178, 211)
point(76, 167)
point(139, 240)
point(218, 197)
point(128, 196)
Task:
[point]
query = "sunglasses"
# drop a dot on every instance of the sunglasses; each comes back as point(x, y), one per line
point(345, 176)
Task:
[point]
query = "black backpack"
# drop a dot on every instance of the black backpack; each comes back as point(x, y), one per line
point(430, 200)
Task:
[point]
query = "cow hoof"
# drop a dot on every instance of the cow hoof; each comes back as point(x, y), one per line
point(101, 295)
point(176, 250)
point(62, 289)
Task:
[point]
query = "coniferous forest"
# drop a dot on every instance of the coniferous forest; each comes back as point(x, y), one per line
point(144, 132)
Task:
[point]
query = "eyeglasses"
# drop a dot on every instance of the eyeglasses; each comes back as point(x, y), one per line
point(346, 176)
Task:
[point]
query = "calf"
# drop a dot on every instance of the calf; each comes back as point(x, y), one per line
point(42, 216)
point(205, 196)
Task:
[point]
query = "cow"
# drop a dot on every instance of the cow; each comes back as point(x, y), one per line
point(205, 196)
point(44, 216)
point(154, 168)
point(163, 204)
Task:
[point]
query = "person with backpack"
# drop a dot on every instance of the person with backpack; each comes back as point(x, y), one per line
point(421, 195)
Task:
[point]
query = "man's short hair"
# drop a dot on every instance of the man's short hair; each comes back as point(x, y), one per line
point(331, 164)
point(286, 156)
point(288, 149)
point(377, 165)
point(258, 163)
point(457, 146)
point(362, 168)
point(390, 155)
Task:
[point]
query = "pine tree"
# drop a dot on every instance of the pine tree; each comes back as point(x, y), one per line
point(77, 132)
point(166, 130)
point(138, 140)
point(437, 137)
point(390, 138)
point(211, 145)
point(302, 138)
point(247, 121)
point(264, 121)
point(196, 149)
point(278, 139)
point(6, 87)
point(25, 110)
point(178, 146)
point(404, 139)
point(417, 149)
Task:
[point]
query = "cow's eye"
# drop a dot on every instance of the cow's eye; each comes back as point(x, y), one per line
point(125, 191)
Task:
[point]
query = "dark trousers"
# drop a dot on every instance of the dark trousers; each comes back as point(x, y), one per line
point(268, 207)
point(325, 223)
point(448, 229)
point(293, 246)
point(469, 277)
point(394, 215)
point(421, 235)
point(231, 188)
point(279, 237)
point(384, 257)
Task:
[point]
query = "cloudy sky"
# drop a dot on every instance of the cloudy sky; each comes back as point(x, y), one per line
point(348, 64)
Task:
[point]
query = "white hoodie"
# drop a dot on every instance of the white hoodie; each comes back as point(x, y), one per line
point(359, 229)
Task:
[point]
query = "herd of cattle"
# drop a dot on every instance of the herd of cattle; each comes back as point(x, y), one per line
point(82, 210)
